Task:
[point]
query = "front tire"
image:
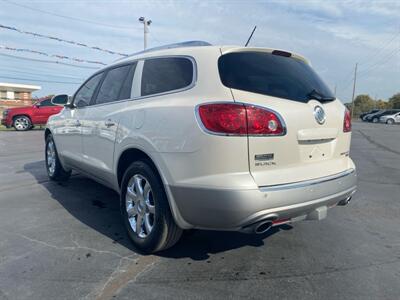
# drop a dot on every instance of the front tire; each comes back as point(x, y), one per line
point(22, 123)
point(390, 122)
point(145, 209)
point(55, 171)
point(375, 120)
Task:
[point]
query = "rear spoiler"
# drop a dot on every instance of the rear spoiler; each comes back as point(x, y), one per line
point(232, 49)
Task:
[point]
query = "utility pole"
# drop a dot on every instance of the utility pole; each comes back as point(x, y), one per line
point(146, 24)
point(354, 90)
point(335, 91)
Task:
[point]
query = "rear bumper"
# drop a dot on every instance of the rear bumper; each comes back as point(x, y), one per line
point(236, 209)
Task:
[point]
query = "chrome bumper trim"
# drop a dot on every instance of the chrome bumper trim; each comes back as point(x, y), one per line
point(300, 184)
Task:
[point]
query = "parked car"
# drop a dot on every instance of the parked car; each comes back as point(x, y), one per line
point(220, 138)
point(24, 118)
point(390, 119)
point(368, 113)
point(374, 118)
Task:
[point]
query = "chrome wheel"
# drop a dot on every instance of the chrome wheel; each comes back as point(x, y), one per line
point(139, 204)
point(21, 123)
point(51, 157)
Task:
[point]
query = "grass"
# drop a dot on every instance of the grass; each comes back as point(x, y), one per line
point(3, 128)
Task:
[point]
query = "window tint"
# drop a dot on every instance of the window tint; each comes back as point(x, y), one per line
point(85, 93)
point(116, 85)
point(272, 75)
point(166, 74)
point(46, 102)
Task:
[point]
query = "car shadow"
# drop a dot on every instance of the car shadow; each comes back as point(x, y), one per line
point(98, 207)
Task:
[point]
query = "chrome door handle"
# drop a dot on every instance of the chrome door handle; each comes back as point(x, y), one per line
point(109, 123)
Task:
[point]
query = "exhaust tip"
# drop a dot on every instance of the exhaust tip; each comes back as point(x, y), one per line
point(345, 201)
point(263, 227)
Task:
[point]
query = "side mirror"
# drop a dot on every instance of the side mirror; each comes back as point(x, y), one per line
point(60, 100)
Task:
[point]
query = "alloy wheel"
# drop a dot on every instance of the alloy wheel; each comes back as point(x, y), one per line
point(51, 157)
point(139, 204)
point(21, 123)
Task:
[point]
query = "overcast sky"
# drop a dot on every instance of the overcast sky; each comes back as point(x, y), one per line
point(333, 35)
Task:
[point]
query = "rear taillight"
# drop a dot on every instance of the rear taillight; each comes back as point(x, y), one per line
point(239, 119)
point(347, 121)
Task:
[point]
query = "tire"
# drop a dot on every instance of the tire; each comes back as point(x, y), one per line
point(54, 169)
point(22, 123)
point(375, 120)
point(390, 122)
point(143, 199)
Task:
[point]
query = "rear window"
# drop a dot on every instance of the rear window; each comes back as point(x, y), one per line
point(166, 74)
point(272, 75)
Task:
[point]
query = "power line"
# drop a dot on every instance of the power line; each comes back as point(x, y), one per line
point(38, 80)
point(52, 55)
point(5, 69)
point(60, 40)
point(66, 17)
point(47, 61)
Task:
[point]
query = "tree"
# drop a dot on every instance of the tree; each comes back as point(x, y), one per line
point(395, 101)
point(363, 103)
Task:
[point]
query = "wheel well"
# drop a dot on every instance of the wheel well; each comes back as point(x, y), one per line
point(128, 157)
point(46, 133)
point(22, 115)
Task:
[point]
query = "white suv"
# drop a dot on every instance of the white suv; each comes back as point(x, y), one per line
point(200, 136)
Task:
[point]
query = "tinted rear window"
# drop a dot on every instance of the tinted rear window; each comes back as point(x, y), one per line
point(271, 75)
point(166, 74)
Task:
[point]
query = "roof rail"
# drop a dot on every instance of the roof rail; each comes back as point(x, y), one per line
point(171, 46)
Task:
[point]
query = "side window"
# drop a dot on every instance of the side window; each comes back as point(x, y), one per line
point(85, 93)
point(46, 102)
point(161, 75)
point(116, 85)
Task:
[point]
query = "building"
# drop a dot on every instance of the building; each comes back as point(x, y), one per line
point(16, 92)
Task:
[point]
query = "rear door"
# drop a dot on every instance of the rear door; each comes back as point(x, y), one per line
point(100, 126)
point(314, 144)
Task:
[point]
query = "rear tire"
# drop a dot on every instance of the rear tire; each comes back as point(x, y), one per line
point(55, 171)
point(22, 123)
point(145, 209)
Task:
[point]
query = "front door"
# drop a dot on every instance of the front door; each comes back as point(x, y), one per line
point(43, 110)
point(69, 130)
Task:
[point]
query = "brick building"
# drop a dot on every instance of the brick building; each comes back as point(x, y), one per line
point(15, 94)
point(16, 91)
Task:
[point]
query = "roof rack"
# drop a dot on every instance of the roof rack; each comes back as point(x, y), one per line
point(171, 46)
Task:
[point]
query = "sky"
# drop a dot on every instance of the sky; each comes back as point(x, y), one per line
point(333, 35)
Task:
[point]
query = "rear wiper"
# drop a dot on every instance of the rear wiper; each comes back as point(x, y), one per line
point(314, 94)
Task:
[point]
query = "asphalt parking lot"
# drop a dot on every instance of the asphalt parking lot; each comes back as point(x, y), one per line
point(66, 241)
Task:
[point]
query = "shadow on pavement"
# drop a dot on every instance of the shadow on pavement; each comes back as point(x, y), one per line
point(98, 207)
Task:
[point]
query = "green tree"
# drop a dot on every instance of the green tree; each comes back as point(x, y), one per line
point(363, 103)
point(395, 101)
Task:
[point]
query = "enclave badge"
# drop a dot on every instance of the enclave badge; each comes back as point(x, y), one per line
point(319, 114)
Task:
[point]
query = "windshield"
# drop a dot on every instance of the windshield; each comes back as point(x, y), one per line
point(272, 75)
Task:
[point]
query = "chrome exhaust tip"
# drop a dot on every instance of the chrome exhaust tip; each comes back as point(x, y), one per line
point(345, 201)
point(262, 227)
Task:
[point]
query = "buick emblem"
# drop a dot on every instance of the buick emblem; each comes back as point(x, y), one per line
point(319, 115)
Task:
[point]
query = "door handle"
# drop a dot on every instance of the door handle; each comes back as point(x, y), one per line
point(109, 123)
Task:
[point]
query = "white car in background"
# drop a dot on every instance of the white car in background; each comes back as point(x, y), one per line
point(210, 137)
point(390, 119)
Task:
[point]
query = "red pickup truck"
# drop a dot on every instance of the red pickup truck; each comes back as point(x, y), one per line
point(24, 118)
